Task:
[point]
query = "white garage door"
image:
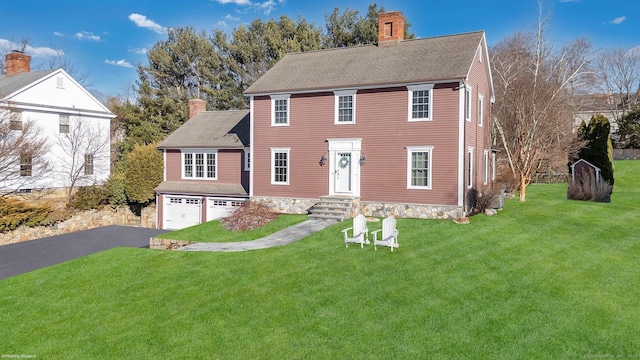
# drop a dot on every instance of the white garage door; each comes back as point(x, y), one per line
point(221, 207)
point(181, 212)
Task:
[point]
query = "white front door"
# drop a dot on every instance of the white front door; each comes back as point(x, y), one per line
point(343, 172)
point(344, 166)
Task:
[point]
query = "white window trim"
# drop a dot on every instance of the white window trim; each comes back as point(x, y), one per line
point(286, 97)
point(273, 173)
point(480, 109)
point(468, 111)
point(336, 110)
point(469, 167)
point(412, 149)
point(411, 89)
point(485, 174)
point(198, 151)
point(247, 158)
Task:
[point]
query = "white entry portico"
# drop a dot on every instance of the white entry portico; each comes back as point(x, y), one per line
point(344, 166)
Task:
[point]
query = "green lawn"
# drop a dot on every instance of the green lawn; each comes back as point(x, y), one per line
point(547, 279)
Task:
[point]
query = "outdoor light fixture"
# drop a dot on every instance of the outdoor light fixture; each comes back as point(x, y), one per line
point(363, 158)
point(323, 159)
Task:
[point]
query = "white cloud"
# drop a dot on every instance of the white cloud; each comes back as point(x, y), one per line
point(85, 35)
point(143, 22)
point(222, 24)
point(265, 6)
point(58, 33)
point(7, 45)
point(141, 51)
point(231, 18)
point(237, 2)
point(122, 63)
point(618, 20)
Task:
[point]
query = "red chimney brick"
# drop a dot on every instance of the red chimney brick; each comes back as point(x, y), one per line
point(196, 106)
point(17, 62)
point(390, 28)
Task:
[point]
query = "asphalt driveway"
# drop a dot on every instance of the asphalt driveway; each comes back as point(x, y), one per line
point(22, 257)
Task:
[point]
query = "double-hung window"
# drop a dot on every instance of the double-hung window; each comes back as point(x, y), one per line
point(88, 164)
point(26, 164)
point(199, 164)
point(469, 167)
point(345, 107)
point(280, 163)
point(420, 102)
point(64, 124)
point(467, 102)
point(280, 110)
point(485, 167)
point(419, 165)
point(15, 121)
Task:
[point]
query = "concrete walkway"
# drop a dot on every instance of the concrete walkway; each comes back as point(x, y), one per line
point(282, 237)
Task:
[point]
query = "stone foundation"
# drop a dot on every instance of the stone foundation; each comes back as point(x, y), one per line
point(420, 211)
point(83, 221)
point(286, 205)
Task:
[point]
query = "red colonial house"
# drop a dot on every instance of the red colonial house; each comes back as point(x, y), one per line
point(206, 167)
point(400, 128)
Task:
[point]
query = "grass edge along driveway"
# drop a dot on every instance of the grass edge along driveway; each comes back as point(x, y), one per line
point(548, 278)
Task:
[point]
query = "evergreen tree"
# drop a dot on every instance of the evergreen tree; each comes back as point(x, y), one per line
point(598, 149)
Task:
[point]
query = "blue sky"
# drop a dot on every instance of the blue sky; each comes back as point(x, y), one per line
point(105, 40)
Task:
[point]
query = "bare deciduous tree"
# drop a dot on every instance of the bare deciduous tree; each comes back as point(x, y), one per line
point(84, 148)
point(619, 76)
point(23, 151)
point(533, 114)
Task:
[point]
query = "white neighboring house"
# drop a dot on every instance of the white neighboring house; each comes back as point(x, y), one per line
point(74, 124)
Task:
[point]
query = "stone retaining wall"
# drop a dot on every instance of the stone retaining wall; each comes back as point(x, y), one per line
point(167, 244)
point(83, 221)
point(286, 205)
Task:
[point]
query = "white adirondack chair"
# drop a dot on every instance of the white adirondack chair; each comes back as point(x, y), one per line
point(389, 234)
point(359, 232)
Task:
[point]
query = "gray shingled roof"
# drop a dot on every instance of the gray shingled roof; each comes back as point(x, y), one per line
point(211, 129)
point(411, 61)
point(181, 187)
point(13, 83)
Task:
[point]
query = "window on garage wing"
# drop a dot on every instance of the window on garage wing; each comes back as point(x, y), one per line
point(199, 164)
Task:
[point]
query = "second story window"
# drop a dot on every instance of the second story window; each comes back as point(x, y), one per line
point(420, 102)
point(15, 121)
point(199, 165)
point(345, 107)
point(64, 124)
point(280, 110)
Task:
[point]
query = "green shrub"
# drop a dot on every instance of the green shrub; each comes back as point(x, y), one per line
point(115, 190)
point(15, 212)
point(89, 197)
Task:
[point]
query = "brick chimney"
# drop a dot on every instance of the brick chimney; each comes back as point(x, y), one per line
point(390, 28)
point(17, 62)
point(196, 106)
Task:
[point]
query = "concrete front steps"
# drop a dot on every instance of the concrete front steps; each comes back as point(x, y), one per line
point(333, 208)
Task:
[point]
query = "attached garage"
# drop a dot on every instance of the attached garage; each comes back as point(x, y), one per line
point(181, 212)
point(220, 207)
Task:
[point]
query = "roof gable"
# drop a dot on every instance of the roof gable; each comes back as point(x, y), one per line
point(211, 129)
point(410, 61)
point(49, 89)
